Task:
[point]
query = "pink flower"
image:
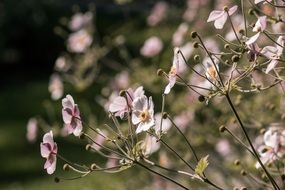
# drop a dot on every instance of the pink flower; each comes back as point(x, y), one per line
point(157, 14)
point(220, 17)
point(273, 148)
point(173, 71)
point(142, 114)
point(71, 116)
point(79, 20)
point(79, 41)
point(223, 147)
point(152, 46)
point(273, 53)
point(61, 64)
point(49, 151)
point(32, 129)
point(179, 35)
point(55, 87)
point(120, 106)
point(259, 27)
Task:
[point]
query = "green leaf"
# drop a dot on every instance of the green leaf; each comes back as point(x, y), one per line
point(202, 165)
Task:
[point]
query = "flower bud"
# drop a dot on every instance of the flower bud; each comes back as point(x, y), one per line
point(159, 72)
point(88, 147)
point(227, 46)
point(226, 8)
point(243, 172)
point(196, 45)
point(194, 34)
point(164, 115)
point(65, 167)
point(197, 58)
point(237, 162)
point(222, 128)
point(251, 12)
point(262, 131)
point(201, 98)
point(56, 180)
point(235, 58)
point(283, 177)
point(241, 31)
point(122, 93)
point(93, 167)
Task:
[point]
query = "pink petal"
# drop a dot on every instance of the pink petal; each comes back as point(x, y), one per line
point(139, 92)
point(262, 21)
point(76, 111)
point(214, 15)
point(51, 165)
point(219, 23)
point(252, 39)
point(269, 52)
point(118, 104)
point(271, 66)
point(68, 102)
point(172, 81)
point(48, 138)
point(233, 10)
point(45, 151)
point(66, 115)
point(135, 117)
point(77, 130)
point(280, 41)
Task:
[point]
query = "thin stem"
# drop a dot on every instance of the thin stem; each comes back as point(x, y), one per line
point(250, 143)
point(161, 175)
point(244, 18)
point(190, 146)
point(162, 111)
point(172, 150)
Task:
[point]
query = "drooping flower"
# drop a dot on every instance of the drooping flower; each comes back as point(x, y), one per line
point(32, 129)
point(273, 148)
point(220, 17)
point(259, 27)
point(79, 41)
point(143, 113)
point(79, 20)
point(49, 151)
point(152, 46)
point(273, 53)
point(157, 14)
point(55, 87)
point(173, 71)
point(120, 106)
point(71, 116)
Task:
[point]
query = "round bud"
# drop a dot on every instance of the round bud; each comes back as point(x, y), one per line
point(237, 162)
point(241, 31)
point(65, 167)
point(164, 115)
point(93, 167)
point(194, 34)
point(82, 136)
point(56, 180)
point(243, 172)
point(195, 44)
point(251, 12)
point(243, 188)
point(119, 138)
point(122, 93)
point(226, 8)
point(264, 150)
point(88, 147)
point(201, 98)
point(159, 72)
point(235, 58)
point(197, 58)
point(222, 128)
point(283, 177)
point(227, 46)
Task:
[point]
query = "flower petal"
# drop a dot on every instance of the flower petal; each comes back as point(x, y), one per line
point(271, 66)
point(233, 10)
point(214, 15)
point(252, 39)
point(219, 23)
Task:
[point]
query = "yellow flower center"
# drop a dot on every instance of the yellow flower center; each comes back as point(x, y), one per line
point(212, 72)
point(173, 71)
point(144, 116)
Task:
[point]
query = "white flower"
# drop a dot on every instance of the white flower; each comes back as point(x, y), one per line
point(143, 113)
point(259, 27)
point(220, 17)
